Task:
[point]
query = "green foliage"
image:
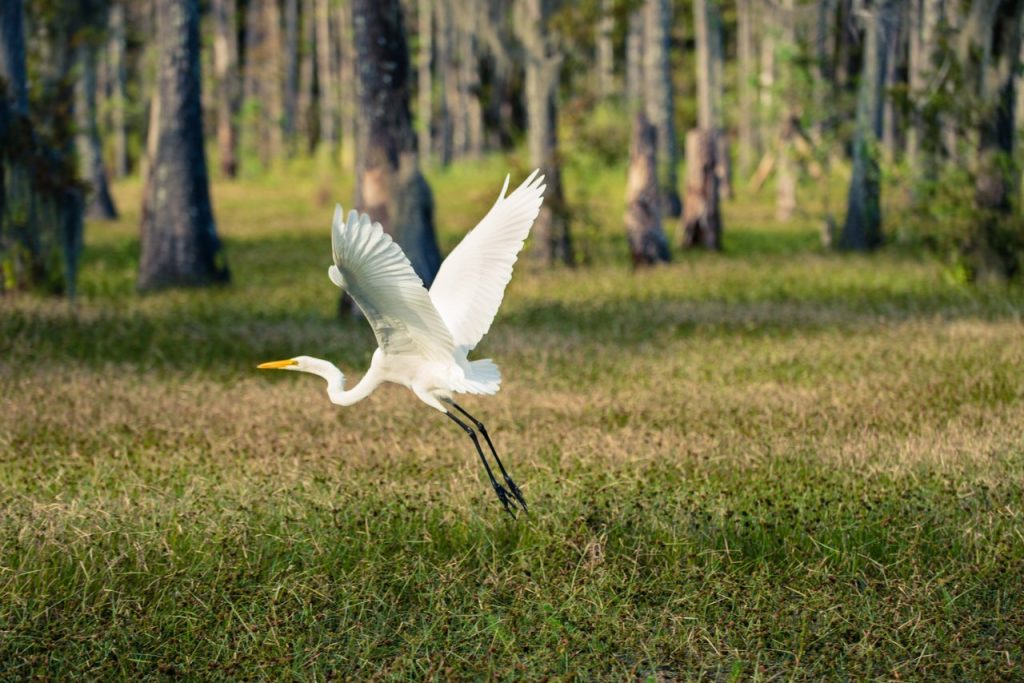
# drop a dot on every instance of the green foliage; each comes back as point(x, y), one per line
point(944, 218)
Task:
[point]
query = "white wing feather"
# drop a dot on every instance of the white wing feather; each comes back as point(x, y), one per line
point(471, 283)
point(374, 270)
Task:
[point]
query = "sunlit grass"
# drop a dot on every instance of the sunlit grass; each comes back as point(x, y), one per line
point(775, 461)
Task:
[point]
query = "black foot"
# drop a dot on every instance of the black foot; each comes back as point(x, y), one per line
point(517, 493)
point(505, 499)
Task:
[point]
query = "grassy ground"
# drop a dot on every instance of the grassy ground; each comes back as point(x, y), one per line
point(770, 463)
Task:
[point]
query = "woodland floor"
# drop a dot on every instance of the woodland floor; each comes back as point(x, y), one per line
point(775, 462)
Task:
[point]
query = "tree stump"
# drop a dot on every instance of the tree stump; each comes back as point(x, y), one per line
point(702, 218)
point(647, 242)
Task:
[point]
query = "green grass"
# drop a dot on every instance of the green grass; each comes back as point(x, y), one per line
point(775, 462)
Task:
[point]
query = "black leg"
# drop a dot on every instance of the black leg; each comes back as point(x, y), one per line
point(503, 495)
point(508, 480)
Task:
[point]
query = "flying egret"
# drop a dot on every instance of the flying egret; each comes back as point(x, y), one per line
point(425, 337)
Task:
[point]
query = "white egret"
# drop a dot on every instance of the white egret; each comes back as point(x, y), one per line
point(425, 337)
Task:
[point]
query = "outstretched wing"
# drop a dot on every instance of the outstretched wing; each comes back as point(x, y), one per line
point(376, 273)
point(471, 283)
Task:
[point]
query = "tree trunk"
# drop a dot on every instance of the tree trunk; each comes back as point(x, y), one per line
point(305, 114)
point(605, 52)
point(647, 242)
point(635, 61)
point(274, 80)
point(326, 77)
point(116, 52)
point(180, 246)
point(470, 86)
point(863, 227)
point(553, 240)
point(823, 56)
point(99, 204)
point(425, 82)
point(749, 147)
point(291, 73)
point(785, 168)
point(225, 69)
point(660, 109)
point(996, 245)
point(890, 114)
point(921, 148)
point(349, 92)
point(708, 34)
point(702, 219)
point(444, 31)
point(394, 192)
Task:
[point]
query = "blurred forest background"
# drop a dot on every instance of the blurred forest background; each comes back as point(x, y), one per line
point(913, 107)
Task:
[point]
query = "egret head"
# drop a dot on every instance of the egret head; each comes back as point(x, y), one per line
point(300, 363)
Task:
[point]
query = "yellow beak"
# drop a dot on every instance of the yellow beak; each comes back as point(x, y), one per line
point(277, 364)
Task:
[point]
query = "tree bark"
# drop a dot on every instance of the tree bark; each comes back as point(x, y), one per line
point(890, 114)
point(225, 70)
point(997, 243)
point(425, 84)
point(180, 246)
point(393, 191)
point(749, 147)
point(635, 61)
point(99, 203)
point(605, 50)
point(660, 108)
point(305, 114)
point(326, 77)
point(702, 218)
point(470, 87)
point(785, 168)
point(116, 52)
point(708, 34)
point(553, 240)
point(274, 81)
point(863, 227)
point(349, 92)
point(291, 73)
point(647, 242)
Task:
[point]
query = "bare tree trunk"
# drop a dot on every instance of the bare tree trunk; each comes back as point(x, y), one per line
point(274, 80)
point(749, 147)
point(924, 28)
point(179, 236)
point(708, 34)
point(553, 240)
point(647, 242)
point(470, 87)
point(117, 90)
point(635, 61)
point(605, 57)
point(350, 84)
point(702, 218)
point(785, 173)
point(660, 108)
point(291, 73)
point(425, 82)
point(256, 86)
point(990, 53)
point(824, 25)
point(325, 76)
point(863, 227)
point(225, 70)
point(890, 122)
point(394, 191)
point(444, 32)
point(99, 203)
point(306, 123)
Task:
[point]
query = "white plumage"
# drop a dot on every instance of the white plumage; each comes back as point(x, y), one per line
point(425, 337)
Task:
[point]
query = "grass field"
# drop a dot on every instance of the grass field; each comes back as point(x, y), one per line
point(771, 463)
